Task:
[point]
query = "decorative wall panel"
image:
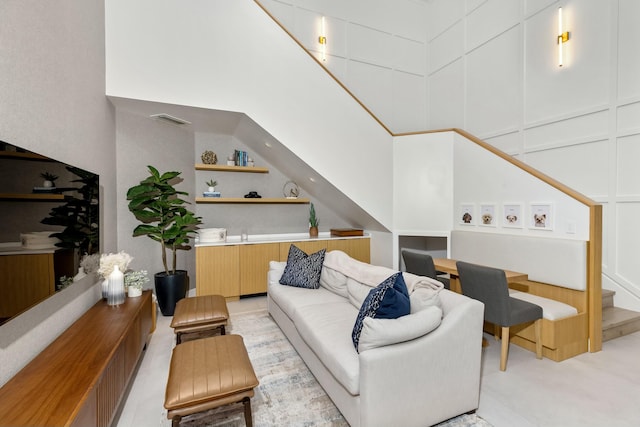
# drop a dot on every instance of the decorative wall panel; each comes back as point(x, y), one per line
point(583, 82)
point(493, 85)
point(579, 166)
point(629, 116)
point(447, 47)
point(409, 102)
point(627, 170)
point(628, 42)
point(362, 77)
point(446, 97)
point(589, 126)
point(490, 20)
point(510, 143)
point(447, 12)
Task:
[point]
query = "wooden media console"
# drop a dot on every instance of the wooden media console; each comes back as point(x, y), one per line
point(81, 378)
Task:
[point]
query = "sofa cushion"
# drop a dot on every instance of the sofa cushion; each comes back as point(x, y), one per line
point(302, 270)
point(357, 292)
point(333, 280)
point(422, 298)
point(290, 298)
point(326, 329)
point(551, 309)
point(381, 332)
point(389, 300)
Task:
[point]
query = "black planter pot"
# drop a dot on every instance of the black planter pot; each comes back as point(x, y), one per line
point(170, 288)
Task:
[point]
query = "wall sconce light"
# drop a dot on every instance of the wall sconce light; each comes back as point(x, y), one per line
point(323, 41)
point(563, 37)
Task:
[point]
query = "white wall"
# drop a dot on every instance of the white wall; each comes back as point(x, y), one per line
point(492, 68)
point(238, 60)
point(377, 49)
point(423, 184)
point(52, 102)
point(483, 179)
point(489, 68)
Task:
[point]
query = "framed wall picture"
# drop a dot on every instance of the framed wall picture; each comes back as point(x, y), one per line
point(467, 214)
point(488, 216)
point(512, 215)
point(541, 216)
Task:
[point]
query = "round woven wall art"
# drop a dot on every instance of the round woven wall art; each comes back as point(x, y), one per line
point(209, 158)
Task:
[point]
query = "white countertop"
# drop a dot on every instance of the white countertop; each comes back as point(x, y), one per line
point(276, 238)
point(15, 248)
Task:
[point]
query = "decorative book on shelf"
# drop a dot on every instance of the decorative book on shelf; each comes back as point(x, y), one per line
point(347, 232)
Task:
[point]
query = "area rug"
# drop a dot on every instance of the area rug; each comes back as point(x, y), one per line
point(288, 394)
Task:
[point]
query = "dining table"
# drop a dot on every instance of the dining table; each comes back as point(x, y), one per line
point(448, 265)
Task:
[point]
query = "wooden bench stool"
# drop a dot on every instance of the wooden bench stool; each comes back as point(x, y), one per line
point(207, 373)
point(199, 315)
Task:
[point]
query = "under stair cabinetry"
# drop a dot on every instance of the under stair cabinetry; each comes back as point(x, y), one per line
point(239, 269)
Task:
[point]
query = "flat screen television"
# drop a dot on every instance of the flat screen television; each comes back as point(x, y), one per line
point(49, 219)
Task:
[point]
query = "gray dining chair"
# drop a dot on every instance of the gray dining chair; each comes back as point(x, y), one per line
point(421, 264)
point(489, 286)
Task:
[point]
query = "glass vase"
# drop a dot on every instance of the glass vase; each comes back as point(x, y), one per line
point(115, 295)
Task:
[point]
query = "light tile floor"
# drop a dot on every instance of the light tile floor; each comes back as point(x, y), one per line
point(592, 389)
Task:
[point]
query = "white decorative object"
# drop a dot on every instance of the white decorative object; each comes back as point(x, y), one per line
point(81, 274)
point(212, 235)
point(134, 291)
point(115, 295)
point(291, 190)
point(105, 288)
point(38, 240)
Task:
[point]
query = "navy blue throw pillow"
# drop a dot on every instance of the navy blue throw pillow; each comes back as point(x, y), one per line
point(302, 270)
point(389, 300)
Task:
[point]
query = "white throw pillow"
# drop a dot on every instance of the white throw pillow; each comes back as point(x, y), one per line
point(422, 298)
point(381, 332)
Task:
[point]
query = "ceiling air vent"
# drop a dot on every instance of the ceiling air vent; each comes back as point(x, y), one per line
point(170, 119)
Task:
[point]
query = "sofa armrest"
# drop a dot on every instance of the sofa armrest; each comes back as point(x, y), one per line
point(439, 371)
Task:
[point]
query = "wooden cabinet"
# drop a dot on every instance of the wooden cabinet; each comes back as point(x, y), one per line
point(30, 278)
point(218, 270)
point(254, 265)
point(356, 248)
point(235, 270)
point(81, 378)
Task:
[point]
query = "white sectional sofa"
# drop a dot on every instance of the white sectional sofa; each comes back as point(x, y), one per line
point(418, 381)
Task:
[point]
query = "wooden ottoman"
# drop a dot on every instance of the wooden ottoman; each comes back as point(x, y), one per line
point(208, 373)
point(199, 314)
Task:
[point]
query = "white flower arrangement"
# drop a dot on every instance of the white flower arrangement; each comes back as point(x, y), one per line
point(136, 279)
point(90, 263)
point(108, 261)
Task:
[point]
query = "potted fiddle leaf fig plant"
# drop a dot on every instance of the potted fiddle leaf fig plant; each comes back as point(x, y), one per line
point(156, 203)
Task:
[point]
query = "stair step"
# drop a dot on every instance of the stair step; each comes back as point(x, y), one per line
point(607, 298)
point(617, 322)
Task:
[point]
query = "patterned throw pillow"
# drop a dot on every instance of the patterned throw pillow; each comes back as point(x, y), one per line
point(389, 300)
point(302, 270)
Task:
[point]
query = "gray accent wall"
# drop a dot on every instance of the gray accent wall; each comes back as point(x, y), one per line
point(52, 102)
